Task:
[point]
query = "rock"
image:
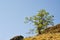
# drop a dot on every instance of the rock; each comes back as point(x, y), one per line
point(17, 38)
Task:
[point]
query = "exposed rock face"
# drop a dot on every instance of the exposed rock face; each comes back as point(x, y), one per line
point(54, 29)
point(17, 38)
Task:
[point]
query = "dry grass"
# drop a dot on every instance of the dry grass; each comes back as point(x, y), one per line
point(48, 36)
point(51, 33)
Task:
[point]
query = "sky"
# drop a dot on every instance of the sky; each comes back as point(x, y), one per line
point(13, 13)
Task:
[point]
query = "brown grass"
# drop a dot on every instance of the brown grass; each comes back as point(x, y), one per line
point(51, 33)
point(48, 36)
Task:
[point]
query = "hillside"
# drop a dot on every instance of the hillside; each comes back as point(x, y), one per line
point(51, 33)
point(48, 36)
point(54, 29)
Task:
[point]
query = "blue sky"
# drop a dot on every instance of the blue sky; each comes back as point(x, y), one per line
point(13, 12)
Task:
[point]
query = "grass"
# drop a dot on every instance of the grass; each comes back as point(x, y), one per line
point(51, 33)
point(48, 36)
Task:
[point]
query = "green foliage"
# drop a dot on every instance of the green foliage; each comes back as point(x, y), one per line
point(41, 20)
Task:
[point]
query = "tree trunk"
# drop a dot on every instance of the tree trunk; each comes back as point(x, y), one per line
point(39, 32)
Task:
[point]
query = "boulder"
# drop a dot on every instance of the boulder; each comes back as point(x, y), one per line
point(17, 38)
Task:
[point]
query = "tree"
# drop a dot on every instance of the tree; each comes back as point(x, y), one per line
point(41, 20)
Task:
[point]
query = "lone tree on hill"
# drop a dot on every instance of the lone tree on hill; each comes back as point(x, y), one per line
point(41, 20)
